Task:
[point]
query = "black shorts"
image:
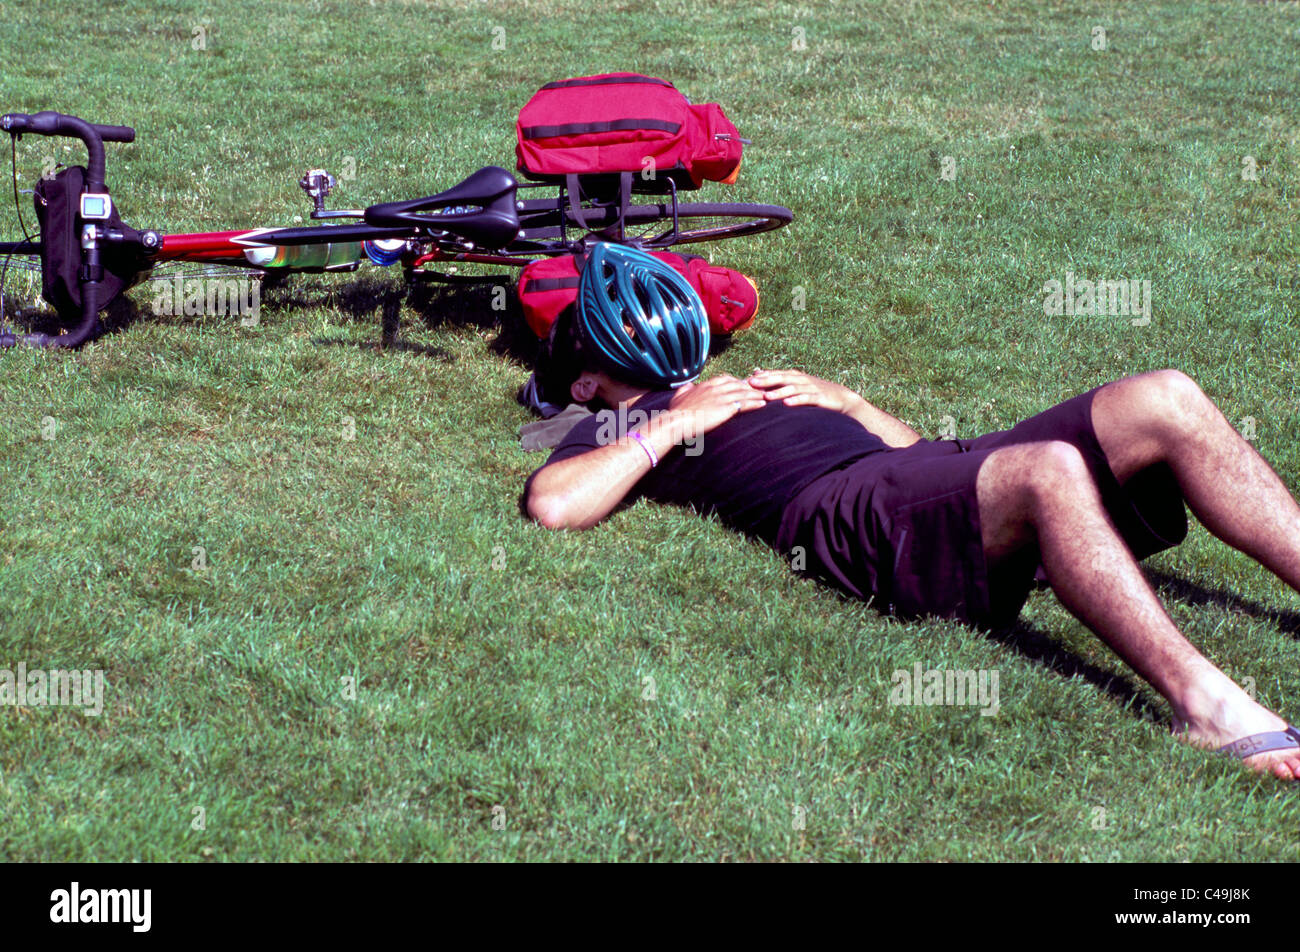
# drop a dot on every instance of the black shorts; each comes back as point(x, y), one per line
point(902, 527)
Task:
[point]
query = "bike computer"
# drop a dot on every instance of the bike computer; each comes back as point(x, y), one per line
point(96, 206)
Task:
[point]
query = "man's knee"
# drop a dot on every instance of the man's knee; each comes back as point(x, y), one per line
point(1020, 487)
point(1171, 400)
point(1033, 472)
point(1055, 468)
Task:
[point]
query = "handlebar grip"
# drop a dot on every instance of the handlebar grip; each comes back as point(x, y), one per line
point(41, 123)
point(115, 133)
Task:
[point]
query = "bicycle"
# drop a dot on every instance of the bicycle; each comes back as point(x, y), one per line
point(481, 220)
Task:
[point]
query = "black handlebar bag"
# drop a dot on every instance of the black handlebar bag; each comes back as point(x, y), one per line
point(58, 209)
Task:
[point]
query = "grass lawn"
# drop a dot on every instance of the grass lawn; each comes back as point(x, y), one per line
point(658, 687)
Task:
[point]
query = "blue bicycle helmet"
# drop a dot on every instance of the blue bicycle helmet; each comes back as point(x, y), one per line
point(640, 318)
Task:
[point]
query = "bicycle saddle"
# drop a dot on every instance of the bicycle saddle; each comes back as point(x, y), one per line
point(480, 209)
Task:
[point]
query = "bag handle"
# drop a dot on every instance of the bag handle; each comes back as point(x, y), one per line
point(574, 190)
point(573, 186)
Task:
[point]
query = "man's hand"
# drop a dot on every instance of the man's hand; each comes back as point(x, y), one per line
point(699, 408)
point(794, 389)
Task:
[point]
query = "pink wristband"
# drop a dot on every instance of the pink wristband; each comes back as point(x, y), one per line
point(645, 445)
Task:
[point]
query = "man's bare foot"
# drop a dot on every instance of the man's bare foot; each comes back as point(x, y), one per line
point(1219, 712)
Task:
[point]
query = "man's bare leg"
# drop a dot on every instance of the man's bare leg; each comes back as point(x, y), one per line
point(1163, 417)
point(1044, 494)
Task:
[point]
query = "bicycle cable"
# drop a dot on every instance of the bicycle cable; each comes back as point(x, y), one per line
point(18, 210)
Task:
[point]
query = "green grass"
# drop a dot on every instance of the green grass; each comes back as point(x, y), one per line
point(524, 686)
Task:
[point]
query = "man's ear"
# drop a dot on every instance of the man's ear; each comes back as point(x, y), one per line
point(583, 390)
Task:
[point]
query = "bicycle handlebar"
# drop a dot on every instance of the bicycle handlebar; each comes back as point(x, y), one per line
point(50, 124)
point(94, 137)
point(58, 124)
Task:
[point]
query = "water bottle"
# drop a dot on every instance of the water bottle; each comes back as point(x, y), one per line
point(330, 256)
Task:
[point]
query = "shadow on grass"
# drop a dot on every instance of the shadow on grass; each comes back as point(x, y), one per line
point(366, 299)
point(118, 316)
point(1040, 647)
point(483, 302)
point(1193, 593)
point(1036, 645)
point(486, 303)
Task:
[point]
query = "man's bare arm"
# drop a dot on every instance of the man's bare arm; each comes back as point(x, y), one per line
point(889, 428)
point(578, 492)
point(796, 388)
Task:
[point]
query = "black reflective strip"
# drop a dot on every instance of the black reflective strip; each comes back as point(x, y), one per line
point(606, 81)
point(588, 128)
point(552, 284)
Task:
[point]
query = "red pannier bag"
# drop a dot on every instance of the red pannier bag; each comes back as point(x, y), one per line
point(621, 123)
point(548, 285)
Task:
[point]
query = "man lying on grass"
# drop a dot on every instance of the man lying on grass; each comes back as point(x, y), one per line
point(952, 528)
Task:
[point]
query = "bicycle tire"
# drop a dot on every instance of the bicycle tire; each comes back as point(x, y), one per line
point(696, 221)
point(706, 221)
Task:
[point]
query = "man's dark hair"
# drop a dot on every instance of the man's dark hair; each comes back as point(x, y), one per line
point(561, 360)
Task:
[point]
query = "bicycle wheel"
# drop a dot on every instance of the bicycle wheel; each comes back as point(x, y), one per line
point(652, 225)
point(20, 282)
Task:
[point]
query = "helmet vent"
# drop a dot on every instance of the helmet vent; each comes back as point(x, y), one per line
point(641, 318)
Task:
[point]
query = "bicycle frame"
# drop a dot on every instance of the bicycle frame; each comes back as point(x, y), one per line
point(481, 220)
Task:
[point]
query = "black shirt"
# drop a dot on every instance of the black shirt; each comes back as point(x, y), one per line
point(745, 470)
